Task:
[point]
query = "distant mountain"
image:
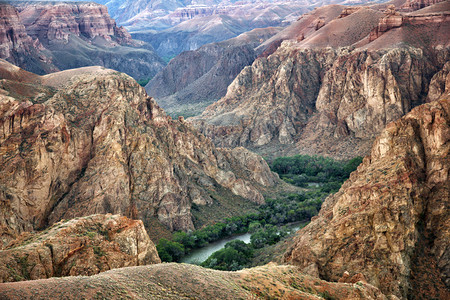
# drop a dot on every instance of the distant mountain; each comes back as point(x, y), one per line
point(190, 28)
point(48, 36)
point(335, 86)
point(195, 79)
point(172, 27)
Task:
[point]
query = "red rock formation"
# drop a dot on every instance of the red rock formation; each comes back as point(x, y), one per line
point(348, 11)
point(390, 220)
point(412, 5)
point(392, 20)
point(16, 44)
point(46, 37)
point(440, 85)
point(84, 246)
point(12, 32)
point(308, 98)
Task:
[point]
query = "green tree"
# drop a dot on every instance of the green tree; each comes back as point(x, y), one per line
point(170, 251)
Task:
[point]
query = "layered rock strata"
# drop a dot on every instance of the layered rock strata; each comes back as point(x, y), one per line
point(390, 220)
point(312, 99)
point(83, 246)
point(45, 37)
point(17, 46)
point(87, 141)
point(50, 22)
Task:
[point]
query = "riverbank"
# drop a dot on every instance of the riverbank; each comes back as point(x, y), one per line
point(197, 256)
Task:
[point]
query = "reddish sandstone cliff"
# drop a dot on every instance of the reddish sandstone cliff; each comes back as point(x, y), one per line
point(309, 98)
point(44, 37)
point(390, 220)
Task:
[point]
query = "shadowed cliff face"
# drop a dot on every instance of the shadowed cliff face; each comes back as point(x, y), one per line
point(390, 220)
point(91, 141)
point(45, 37)
point(308, 98)
point(83, 246)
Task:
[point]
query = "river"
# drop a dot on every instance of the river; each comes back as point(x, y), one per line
point(198, 256)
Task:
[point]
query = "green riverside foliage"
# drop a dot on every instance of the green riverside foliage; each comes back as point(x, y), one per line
point(300, 170)
point(286, 209)
point(170, 251)
point(303, 169)
point(234, 256)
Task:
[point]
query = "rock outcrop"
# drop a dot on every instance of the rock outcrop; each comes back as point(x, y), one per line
point(91, 141)
point(392, 19)
point(440, 84)
point(183, 281)
point(44, 37)
point(413, 5)
point(194, 79)
point(83, 246)
point(390, 220)
point(50, 22)
point(309, 98)
point(17, 46)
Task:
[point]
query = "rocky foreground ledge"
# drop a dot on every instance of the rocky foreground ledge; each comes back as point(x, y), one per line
point(81, 246)
point(182, 281)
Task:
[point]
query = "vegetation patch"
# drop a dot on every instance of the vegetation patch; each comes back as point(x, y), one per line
point(321, 175)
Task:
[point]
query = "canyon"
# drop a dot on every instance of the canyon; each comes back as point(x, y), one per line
point(389, 222)
point(95, 172)
point(194, 79)
point(306, 97)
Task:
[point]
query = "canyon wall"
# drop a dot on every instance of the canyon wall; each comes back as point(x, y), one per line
point(309, 98)
point(194, 79)
point(389, 222)
point(44, 37)
point(87, 141)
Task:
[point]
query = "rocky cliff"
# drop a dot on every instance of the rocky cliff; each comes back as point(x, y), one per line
point(309, 98)
point(183, 281)
point(390, 220)
point(17, 46)
point(87, 141)
point(194, 79)
point(43, 37)
point(83, 246)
